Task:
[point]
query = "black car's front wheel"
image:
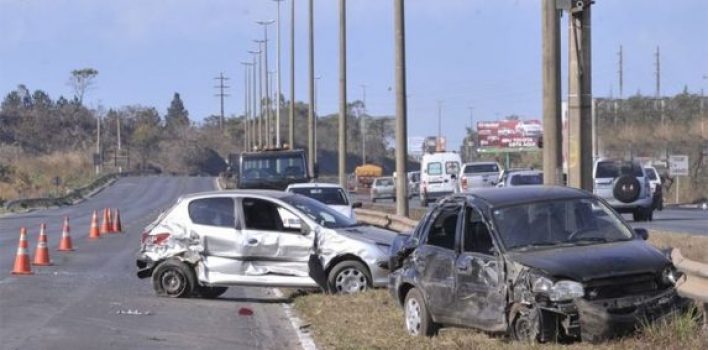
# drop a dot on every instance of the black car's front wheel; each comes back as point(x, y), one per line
point(416, 315)
point(173, 279)
point(533, 325)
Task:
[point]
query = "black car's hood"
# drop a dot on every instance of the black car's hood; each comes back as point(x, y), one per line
point(584, 263)
point(369, 233)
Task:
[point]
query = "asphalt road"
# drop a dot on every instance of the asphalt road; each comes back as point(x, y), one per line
point(81, 302)
point(691, 221)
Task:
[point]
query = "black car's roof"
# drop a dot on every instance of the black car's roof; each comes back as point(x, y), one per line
point(500, 197)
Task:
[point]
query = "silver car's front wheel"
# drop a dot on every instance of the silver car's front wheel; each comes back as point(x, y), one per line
point(349, 277)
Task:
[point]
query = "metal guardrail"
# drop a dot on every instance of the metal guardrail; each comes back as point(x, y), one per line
point(392, 222)
point(694, 283)
point(72, 197)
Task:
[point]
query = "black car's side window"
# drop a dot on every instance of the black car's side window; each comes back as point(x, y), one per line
point(442, 231)
point(212, 212)
point(477, 236)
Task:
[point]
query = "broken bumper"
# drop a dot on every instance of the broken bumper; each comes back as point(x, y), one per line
point(605, 319)
point(145, 266)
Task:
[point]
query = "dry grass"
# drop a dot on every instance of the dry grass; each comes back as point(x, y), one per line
point(373, 320)
point(32, 176)
point(692, 247)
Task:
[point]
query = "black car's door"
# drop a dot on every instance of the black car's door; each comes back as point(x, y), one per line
point(435, 261)
point(480, 296)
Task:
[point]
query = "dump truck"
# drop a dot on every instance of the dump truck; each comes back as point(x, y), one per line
point(365, 174)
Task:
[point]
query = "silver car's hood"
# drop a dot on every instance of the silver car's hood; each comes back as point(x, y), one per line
point(368, 234)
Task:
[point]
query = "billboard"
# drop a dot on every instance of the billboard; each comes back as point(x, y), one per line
point(509, 133)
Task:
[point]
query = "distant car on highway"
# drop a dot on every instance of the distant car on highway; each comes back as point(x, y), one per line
point(332, 195)
point(439, 174)
point(478, 175)
point(625, 186)
point(522, 178)
point(210, 241)
point(655, 182)
point(383, 188)
point(413, 184)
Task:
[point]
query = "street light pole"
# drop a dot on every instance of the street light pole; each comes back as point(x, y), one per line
point(317, 116)
point(363, 126)
point(401, 132)
point(291, 116)
point(259, 66)
point(343, 93)
point(277, 78)
point(269, 138)
point(246, 103)
point(311, 112)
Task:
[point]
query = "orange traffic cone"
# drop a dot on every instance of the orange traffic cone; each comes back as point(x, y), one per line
point(22, 260)
point(104, 223)
point(65, 243)
point(110, 221)
point(117, 227)
point(94, 233)
point(41, 254)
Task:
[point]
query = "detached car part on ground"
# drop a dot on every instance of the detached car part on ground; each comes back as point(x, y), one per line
point(209, 241)
point(540, 263)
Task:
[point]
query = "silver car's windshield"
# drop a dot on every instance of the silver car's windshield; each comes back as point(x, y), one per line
point(560, 222)
point(320, 213)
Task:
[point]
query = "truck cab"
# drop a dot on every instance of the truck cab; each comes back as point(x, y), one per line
point(270, 169)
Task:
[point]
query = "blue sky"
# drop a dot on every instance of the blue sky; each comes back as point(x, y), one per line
point(480, 53)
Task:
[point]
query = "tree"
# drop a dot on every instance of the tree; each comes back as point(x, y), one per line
point(81, 80)
point(177, 116)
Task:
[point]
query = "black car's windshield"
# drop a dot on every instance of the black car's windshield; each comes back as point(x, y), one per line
point(326, 195)
point(560, 222)
point(320, 213)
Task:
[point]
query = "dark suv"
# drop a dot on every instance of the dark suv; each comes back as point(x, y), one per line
point(542, 263)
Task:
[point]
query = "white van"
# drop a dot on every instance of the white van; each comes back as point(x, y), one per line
point(438, 175)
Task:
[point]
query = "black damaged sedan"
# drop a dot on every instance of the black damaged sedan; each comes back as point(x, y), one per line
point(541, 263)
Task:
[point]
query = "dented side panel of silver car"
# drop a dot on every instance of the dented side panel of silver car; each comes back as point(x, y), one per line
point(231, 256)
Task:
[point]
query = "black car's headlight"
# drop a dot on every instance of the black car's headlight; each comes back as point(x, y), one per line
point(558, 291)
point(669, 276)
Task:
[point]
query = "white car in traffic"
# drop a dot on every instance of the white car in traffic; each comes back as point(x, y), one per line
point(332, 195)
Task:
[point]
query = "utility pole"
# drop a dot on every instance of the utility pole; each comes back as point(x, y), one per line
point(268, 135)
point(343, 93)
point(621, 72)
point(310, 111)
point(363, 126)
point(261, 109)
point(221, 78)
point(658, 73)
point(255, 134)
point(246, 104)
point(401, 131)
point(98, 159)
point(552, 119)
point(438, 144)
point(118, 142)
point(470, 146)
point(580, 98)
point(291, 116)
point(317, 117)
point(277, 69)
